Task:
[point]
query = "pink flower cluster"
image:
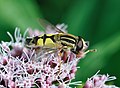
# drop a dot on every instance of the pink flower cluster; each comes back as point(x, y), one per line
point(23, 67)
point(98, 81)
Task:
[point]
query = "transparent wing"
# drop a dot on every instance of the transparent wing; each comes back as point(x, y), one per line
point(47, 24)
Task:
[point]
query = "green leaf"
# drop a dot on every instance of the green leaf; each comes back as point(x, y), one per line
point(20, 13)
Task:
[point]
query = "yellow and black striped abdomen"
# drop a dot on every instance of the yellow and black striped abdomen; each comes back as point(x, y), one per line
point(47, 40)
point(54, 41)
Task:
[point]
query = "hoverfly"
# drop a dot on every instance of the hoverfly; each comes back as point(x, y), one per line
point(60, 40)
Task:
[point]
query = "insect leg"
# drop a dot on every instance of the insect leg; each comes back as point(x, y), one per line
point(92, 50)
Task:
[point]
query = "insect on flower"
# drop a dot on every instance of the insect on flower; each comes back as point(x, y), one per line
point(59, 40)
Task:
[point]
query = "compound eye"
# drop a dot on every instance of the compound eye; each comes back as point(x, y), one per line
point(80, 44)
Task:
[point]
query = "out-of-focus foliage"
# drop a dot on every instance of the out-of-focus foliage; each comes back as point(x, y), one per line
point(97, 21)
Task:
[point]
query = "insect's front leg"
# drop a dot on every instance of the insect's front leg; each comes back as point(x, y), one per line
point(81, 54)
point(92, 50)
point(62, 50)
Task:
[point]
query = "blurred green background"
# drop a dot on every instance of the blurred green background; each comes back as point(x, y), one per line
point(97, 21)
